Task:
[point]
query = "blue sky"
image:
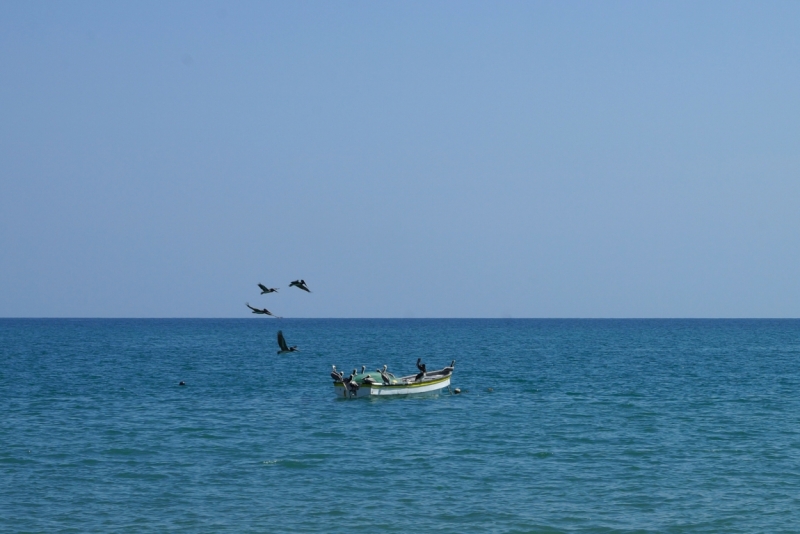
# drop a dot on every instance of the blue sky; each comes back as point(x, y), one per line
point(407, 159)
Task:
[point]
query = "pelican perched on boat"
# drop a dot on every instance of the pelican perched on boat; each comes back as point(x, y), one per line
point(422, 370)
point(282, 344)
point(350, 378)
point(381, 382)
point(337, 376)
point(262, 311)
point(265, 289)
point(351, 385)
point(387, 377)
point(388, 373)
point(301, 284)
point(346, 383)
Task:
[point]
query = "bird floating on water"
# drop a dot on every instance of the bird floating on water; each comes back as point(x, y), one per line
point(301, 284)
point(284, 347)
point(265, 289)
point(262, 311)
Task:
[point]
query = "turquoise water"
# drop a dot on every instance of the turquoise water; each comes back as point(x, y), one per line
point(590, 426)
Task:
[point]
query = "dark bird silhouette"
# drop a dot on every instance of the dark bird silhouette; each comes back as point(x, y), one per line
point(422, 370)
point(262, 311)
point(282, 344)
point(301, 284)
point(265, 289)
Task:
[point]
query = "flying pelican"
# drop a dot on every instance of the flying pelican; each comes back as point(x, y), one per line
point(301, 284)
point(282, 344)
point(262, 311)
point(265, 289)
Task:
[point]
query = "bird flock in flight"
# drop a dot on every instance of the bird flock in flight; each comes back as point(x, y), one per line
point(284, 347)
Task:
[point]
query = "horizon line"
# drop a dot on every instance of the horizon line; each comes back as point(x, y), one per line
point(425, 318)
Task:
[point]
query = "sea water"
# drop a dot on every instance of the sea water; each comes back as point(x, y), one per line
point(562, 426)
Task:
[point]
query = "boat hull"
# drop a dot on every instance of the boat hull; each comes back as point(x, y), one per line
point(380, 390)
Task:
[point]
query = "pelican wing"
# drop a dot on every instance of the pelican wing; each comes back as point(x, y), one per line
point(263, 287)
point(282, 342)
point(300, 284)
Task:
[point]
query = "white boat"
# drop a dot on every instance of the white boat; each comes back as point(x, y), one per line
point(377, 383)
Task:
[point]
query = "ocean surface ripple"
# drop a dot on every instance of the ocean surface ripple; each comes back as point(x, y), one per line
point(609, 426)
